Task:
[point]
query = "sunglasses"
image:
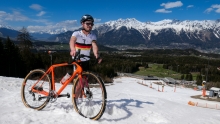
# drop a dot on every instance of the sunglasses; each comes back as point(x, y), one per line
point(89, 24)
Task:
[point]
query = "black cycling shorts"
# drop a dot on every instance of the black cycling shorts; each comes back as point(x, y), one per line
point(84, 65)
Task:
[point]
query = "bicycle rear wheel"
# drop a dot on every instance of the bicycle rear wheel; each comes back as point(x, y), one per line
point(35, 96)
point(89, 102)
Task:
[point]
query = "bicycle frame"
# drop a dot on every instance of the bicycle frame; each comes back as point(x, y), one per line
point(51, 71)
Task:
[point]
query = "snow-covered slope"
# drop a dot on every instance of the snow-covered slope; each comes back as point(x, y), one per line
point(128, 102)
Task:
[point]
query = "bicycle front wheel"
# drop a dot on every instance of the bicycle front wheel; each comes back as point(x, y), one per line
point(35, 89)
point(89, 100)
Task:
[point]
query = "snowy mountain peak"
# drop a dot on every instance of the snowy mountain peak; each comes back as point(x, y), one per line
point(5, 26)
point(129, 23)
point(165, 21)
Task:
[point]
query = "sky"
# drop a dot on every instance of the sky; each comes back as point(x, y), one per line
point(39, 14)
point(128, 102)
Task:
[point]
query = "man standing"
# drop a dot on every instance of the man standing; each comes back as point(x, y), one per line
point(84, 40)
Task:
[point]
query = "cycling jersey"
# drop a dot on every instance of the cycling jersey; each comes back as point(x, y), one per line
point(84, 42)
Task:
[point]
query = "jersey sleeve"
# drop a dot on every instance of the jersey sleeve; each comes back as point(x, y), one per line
point(94, 38)
point(75, 33)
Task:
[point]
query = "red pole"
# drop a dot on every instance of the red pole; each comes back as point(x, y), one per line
point(203, 92)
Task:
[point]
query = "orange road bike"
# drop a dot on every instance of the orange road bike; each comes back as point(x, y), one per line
point(88, 90)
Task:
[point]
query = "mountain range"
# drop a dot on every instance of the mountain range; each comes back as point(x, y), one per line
point(205, 33)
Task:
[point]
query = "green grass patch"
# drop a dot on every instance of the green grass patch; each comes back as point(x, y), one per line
point(159, 71)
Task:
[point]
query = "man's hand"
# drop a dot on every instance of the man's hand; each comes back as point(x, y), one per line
point(99, 60)
point(73, 52)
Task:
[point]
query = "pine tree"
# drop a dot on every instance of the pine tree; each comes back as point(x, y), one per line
point(11, 58)
point(1, 56)
point(199, 79)
point(24, 38)
point(190, 78)
point(182, 76)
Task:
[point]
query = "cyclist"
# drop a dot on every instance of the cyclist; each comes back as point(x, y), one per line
point(84, 39)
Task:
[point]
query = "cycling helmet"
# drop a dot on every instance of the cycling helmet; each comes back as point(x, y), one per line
point(86, 18)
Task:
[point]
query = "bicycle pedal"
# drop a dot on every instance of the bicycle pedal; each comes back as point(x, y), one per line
point(68, 95)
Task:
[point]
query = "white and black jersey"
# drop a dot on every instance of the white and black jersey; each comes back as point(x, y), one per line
point(84, 42)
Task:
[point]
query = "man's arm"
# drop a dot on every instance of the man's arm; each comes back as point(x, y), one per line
point(72, 46)
point(95, 51)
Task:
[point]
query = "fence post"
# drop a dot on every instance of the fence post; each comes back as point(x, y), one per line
point(175, 88)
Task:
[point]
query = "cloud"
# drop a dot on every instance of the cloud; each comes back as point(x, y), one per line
point(163, 11)
point(97, 20)
point(190, 6)
point(215, 7)
point(41, 13)
point(172, 4)
point(68, 24)
point(169, 5)
point(14, 16)
point(36, 7)
point(208, 10)
point(44, 21)
point(2, 13)
point(217, 10)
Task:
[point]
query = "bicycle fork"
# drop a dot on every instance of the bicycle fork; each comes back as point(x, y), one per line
point(85, 86)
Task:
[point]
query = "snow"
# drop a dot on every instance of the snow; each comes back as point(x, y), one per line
point(5, 26)
point(177, 25)
point(215, 34)
point(128, 102)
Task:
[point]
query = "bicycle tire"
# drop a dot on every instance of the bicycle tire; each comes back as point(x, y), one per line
point(30, 98)
point(91, 107)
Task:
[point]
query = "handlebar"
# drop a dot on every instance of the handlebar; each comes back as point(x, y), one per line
point(78, 56)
